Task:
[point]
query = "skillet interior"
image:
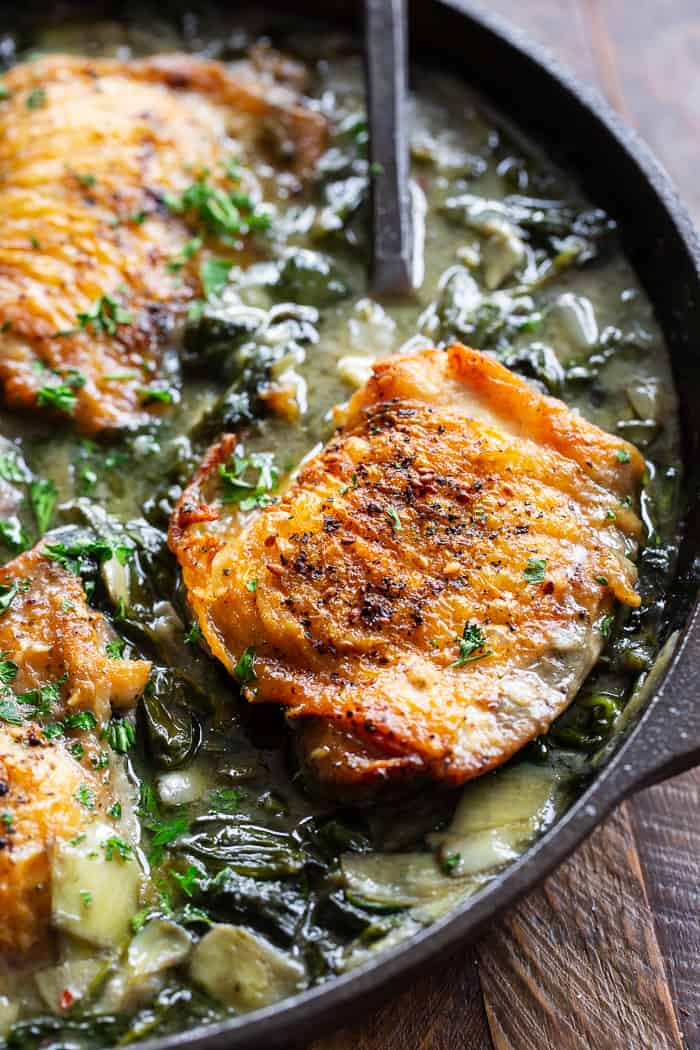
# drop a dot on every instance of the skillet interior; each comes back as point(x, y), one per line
point(616, 172)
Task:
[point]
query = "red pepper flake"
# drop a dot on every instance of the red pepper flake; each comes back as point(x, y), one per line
point(67, 999)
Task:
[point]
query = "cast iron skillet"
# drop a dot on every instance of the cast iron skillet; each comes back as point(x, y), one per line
point(617, 172)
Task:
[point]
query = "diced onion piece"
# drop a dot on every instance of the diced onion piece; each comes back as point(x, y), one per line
point(242, 970)
point(181, 786)
point(71, 978)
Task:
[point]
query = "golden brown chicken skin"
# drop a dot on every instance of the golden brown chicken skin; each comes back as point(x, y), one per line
point(49, 791)
point(430, 588)
point(89, 151)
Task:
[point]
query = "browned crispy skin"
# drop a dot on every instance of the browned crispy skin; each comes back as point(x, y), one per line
point(82, 180)
point(51, 634)
point(449, 483)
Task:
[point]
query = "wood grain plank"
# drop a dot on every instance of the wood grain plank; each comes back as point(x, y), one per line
point(668, 837)
point(577, 965)
point(440, 1012)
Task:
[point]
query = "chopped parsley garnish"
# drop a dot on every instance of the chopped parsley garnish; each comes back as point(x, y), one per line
point(115, 648)
point(193, 634)
point(83, 720)
point(43, 495)
point(8, 669)
point(534, 570)
point(8, 592)
point(472, 645)
point(451, 861)
point(85, 796)
point(184, 255)
point(213, 274)
point(86, 898)
point(249, 493)
point(73, 556)
point(77, 750)
point(149, 394)
point(120, 735)
point(602, 580)
point(115, 811)
point(7, 819)
point(224, 214)
point(187, 881)
point(251, 585)
point(35, 243)
point(9, 710)
point(165, 832)
point(61, 395)
point(36, 98)
point(86, 180)
point(605, 625)
point(12, 533)
point(44, 696)
point(226, 798)
point(105, 315)
point(244, 671)
point(117, 848)
point(11, 469)
point(623, 455)
point(394, 519)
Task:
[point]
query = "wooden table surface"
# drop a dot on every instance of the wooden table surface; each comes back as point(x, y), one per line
point(606, 954)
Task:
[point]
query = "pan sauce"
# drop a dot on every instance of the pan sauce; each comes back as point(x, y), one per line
point(256, 887)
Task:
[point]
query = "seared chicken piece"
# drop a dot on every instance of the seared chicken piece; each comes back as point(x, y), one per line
point(54, 665)
point(89, 151)
point(433, 587)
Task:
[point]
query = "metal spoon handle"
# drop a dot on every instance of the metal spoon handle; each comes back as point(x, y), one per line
point(386, 63)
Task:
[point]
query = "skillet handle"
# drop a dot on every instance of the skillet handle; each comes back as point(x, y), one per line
point(666, 741)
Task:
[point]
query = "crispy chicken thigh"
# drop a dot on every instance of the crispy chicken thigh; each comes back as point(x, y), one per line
point(49, 637)
point(430, 589)
point(89, 150)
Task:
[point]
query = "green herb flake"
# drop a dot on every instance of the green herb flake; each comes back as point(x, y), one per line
point(42, 496)
point(534, 570)
point(105, 315)
point(187, 881)
point(115, 649)
point(602, 580)
point(244, 671)
point(82, 720)
point(394, 519)
point(13, 535)
point(249, 492)
point(8, 669)
point(194, 633)
point(36, 98)
point(213, 274)
point(86, 898)
point(605, 625)
point(8, 592)
point(472, 645)
point(85, 796)
point(151, 394)
point(451, 861)
point(115, 811)
point(116, 849)
point(7, 819)
point(251, 585)
point(623, 455)
point(120, 735)
point(184, 255)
